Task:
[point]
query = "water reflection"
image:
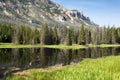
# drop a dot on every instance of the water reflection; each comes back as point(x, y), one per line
point(25, 58)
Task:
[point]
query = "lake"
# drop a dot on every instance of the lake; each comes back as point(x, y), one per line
point(27, 58)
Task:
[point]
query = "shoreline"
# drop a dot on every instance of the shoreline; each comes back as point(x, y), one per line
point(78, 71)
point(11, 45)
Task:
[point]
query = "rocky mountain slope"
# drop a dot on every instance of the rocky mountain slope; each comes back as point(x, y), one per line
point(37, 12)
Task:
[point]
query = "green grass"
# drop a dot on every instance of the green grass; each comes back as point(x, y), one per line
point(109, 45)
point(89, 69)
point(75, 46)
point(11, 45)
point(66, 46)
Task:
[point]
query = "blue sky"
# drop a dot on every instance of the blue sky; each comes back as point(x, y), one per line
point(102, 12)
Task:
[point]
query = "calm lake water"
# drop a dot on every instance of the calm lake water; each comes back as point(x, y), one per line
point(25, 58)
point(44, 57)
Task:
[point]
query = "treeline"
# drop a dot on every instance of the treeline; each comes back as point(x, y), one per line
point(63, 35)
point(19, 34)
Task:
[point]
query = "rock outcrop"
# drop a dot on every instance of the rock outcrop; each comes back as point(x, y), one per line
point(37, 12)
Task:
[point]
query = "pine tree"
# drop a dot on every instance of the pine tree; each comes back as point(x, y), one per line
point(88, 35)
point(55, 36)
point(74, 36)
point(16, 35)
point(113, 35)
point(81, 36)
point(69, 37)
point(118, 35)
point(62, 33)
point(36, 35)
point(44, 34)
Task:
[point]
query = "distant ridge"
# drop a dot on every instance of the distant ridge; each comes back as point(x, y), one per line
point(37, 12)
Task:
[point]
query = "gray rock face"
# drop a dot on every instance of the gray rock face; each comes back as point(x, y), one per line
point(37, 12)
point(41, 1)
point(76, 14)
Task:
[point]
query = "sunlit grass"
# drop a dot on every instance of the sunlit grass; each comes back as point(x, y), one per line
point(89, 69)
point(74, 46)
point(11, 45)
point(109, 45)
point(65, 46)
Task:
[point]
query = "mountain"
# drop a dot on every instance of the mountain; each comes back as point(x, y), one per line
point(37, 12)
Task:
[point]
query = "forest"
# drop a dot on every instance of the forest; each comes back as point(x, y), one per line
point(46, 35)
point(46, 63)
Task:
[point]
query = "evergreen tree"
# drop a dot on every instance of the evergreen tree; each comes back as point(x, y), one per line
point(118, 35)
point(6, 32)
point(88, 35)
point(55, 36)
point(74, 36)
point(81, 36)
point(16, 35)
point(62, 33)
point(69, 37)
point(36, 36)
point(45, 34)
point(113, 35)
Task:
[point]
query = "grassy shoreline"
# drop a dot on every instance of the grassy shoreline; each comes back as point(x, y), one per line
point(107, 68)
point(11, 45)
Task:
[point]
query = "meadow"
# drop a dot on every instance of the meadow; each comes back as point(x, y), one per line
point(106, 68)
point(60, 46)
